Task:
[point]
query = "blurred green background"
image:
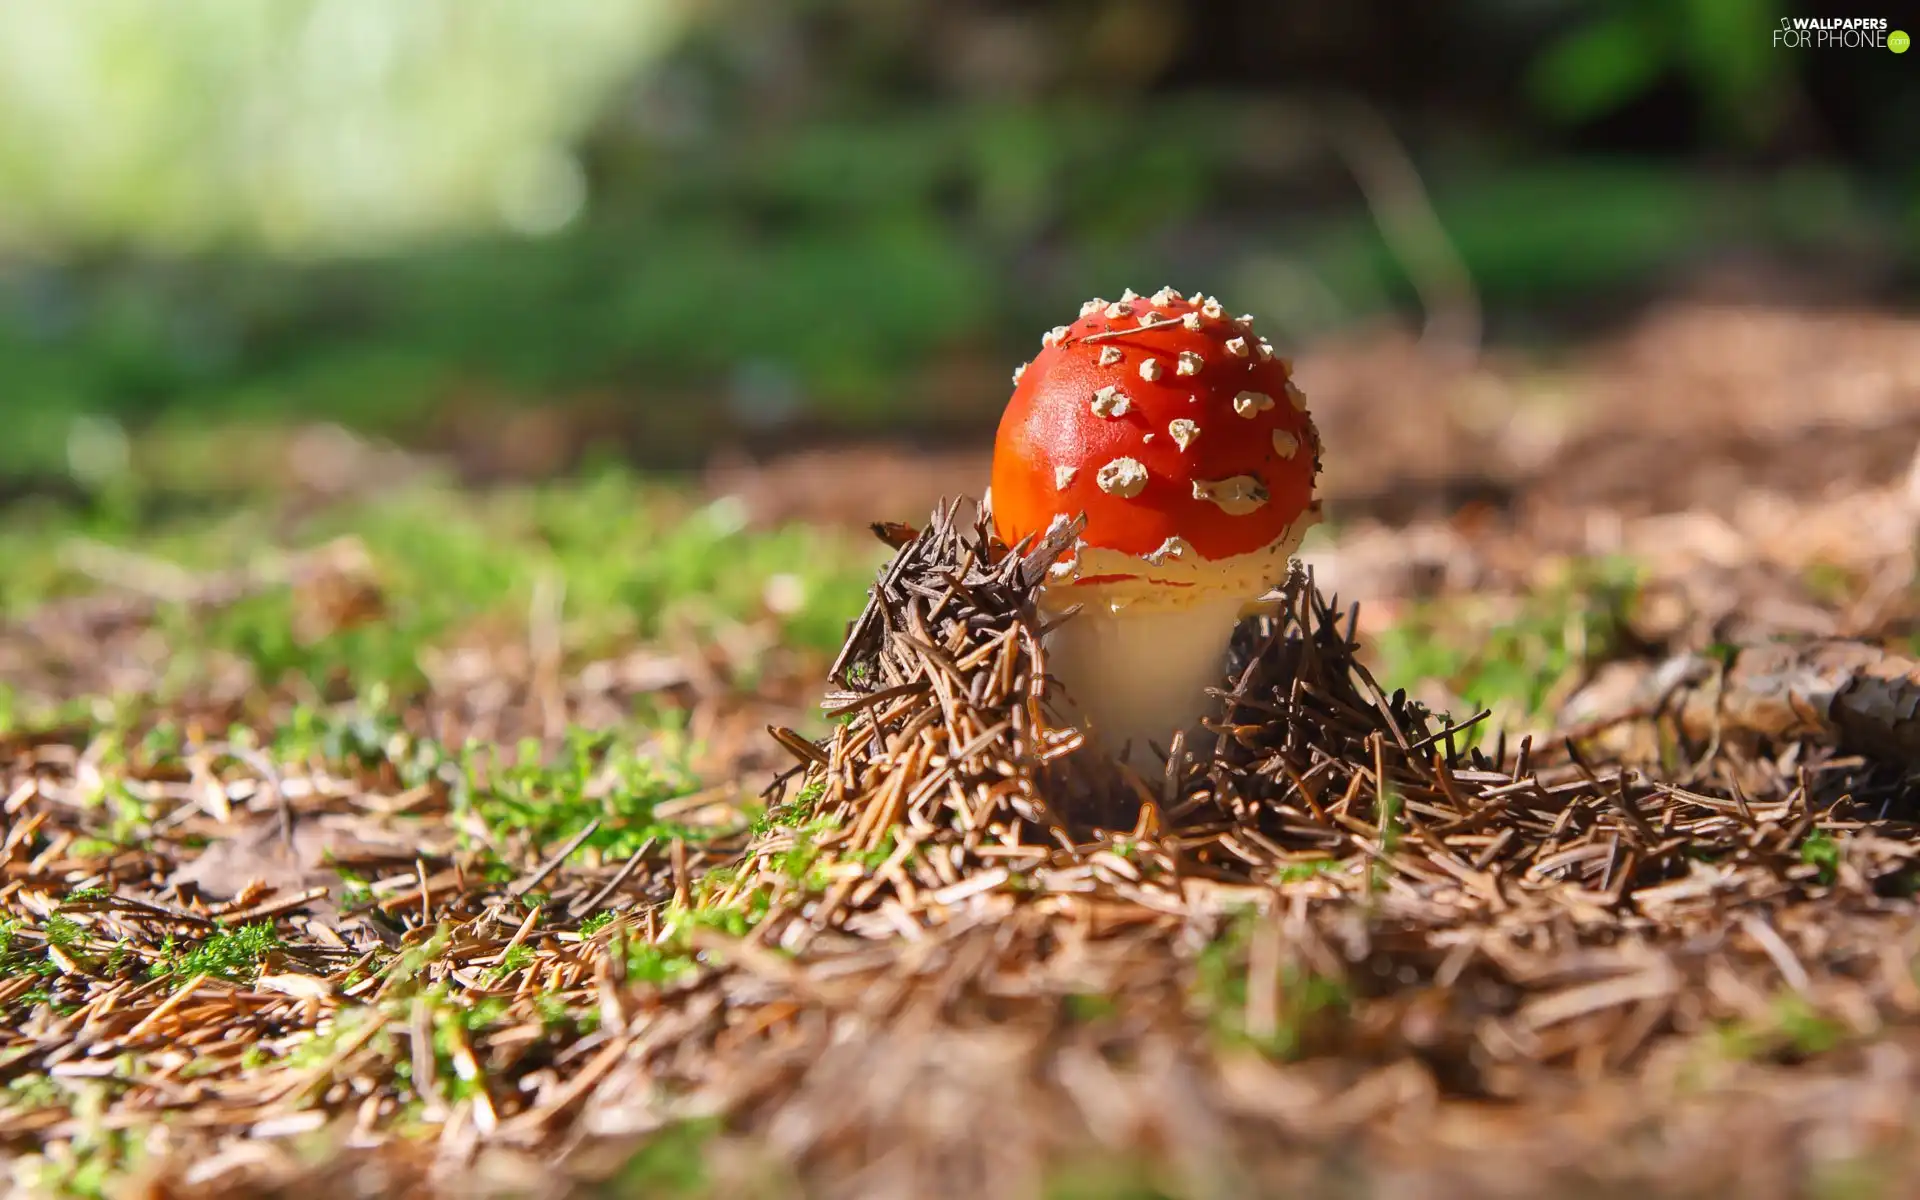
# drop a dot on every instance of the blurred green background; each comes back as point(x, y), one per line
point(671, 225)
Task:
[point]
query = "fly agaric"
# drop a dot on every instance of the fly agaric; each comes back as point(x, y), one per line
point(1180, 435)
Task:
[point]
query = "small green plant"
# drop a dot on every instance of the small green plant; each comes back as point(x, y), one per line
point(794, 814)
point(231, 954)
point(512, 962)
point(13, 960)
point(1307, 1001)
point(591, 777)
point(89, 1167)
point(1822, 851)
point(1805, 1030)
point(673, 1163)
point(35, 1091)
point(801, 861)
point(1125, 1178)
point(1791, 1029)
point(409, 963)
point(1863, 1178)
point(1088, 1008)
point(1302, 870)
point(658, 965)
point(64, 932)
point(1392, 827)
point(16, 960)
point(1830, 584)
point(94, 847)
point(328, 1038)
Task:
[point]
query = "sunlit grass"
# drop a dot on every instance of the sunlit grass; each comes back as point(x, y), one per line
point(614, 559)
point(1517, 660)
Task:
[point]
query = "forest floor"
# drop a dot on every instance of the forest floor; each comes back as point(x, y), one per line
point(368, 834)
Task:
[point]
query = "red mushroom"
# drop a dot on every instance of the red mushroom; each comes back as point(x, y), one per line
point(1181, 436)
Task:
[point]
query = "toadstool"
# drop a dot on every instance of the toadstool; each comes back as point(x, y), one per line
point(1184, 532)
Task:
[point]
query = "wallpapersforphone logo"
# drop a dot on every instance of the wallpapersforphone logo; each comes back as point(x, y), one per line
point(1839, 33)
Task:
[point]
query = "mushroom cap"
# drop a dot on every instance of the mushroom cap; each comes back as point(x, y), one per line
point(1174, 428)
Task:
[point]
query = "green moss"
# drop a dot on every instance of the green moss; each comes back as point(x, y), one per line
point(234, 955)
point(1313, 868)
point(592, 776)
point(1306, 1001)
point(1791, 1029)
point(1127, 1179)
point(672, 1163)
point(1823, 851)
point(637, 557)
point(795, 813)
point(1088, 1009)
point(1517, 661)
point(512, 962)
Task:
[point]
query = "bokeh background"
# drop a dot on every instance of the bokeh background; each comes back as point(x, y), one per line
point(529, 235)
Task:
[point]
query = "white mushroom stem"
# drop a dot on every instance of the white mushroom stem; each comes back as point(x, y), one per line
point(1135, 674)
point(1152, 634)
